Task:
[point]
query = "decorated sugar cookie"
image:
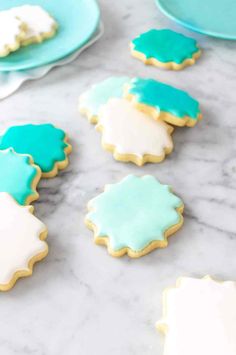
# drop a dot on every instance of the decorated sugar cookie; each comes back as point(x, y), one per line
point(22, 242)
point(166, 49)
point(45, 143)
point(19, 176)
point(164, 102)
point(199, 317)
point(132, 135)
point(12, 32)
point(134, 216)
point(91, 101)
point(40, 25)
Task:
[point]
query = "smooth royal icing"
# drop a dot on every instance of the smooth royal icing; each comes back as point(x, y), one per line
point(200, 318)
point(44, 142)
point(38, 21)
point(17, 175)
point(165, 46)
point(19, 238)
point(134, 212)
point(164, 98)
point(100, 93)
point(132, 131)
point(10, 29)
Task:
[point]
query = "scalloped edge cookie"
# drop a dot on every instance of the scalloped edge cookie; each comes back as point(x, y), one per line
point(163, 324)
point(162, 115)
point(19, 131)
point(132, 157)
point(131, 253)
point(105, 240)
point(18, 36)
point(18, 11)
point(38, 257)
point(170, 65)
point(165, 116)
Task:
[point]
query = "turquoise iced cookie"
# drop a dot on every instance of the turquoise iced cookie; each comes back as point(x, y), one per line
point(166, 49)
point(19, 176)
point(164, 102)
point(91, 101)
point(45, 143)
point(134, 216)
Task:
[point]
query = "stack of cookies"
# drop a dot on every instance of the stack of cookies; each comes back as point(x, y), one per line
point(137, 116)
point(27, 153)
point(24, 25)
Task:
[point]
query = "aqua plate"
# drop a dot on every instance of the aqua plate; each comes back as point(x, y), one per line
point(215, 18)
point(78, 20)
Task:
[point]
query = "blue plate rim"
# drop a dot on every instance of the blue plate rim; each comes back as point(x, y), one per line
point(195, 29)
point(29, 66)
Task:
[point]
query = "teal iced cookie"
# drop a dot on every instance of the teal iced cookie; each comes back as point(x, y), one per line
point(134, 216)
point(19, 176)
point(164, 102)
point(45, 143)
point(91, 101)
point(166, 49)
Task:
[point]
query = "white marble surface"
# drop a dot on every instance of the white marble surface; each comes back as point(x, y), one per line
point(80, 300)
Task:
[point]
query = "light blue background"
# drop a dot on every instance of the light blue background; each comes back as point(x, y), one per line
point(213, 17)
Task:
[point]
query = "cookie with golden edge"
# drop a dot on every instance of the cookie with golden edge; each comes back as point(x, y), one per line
point(47, 145)
point(131, 135)
point(162, 101)
point(22, 241)
point(12, 33)
point(199, 317)
point(165, 49)
point(134, 216)
point(19, 176)
point(94, 98)
point(40, 25)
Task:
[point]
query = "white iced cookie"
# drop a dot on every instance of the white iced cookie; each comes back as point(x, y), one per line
point(40, 25)
point(200, 317)
point(22, 242)
point(12, 32)
point(131, 135)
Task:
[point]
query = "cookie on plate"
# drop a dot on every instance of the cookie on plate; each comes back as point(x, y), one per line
point(12, 33)
point(165, 49)
point(47, 145)
point(199, 317)
point(131, 135)
point(162, 101)
point(40, 25)
point(134, 216)
point(91, 101)
point(22, 241)
point(19, 176)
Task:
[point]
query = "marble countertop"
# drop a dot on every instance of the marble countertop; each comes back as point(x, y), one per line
point(80, 300)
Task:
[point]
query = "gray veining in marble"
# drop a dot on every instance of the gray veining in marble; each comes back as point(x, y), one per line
point(80, 300)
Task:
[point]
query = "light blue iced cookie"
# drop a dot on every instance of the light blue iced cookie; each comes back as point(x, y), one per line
point(135, 216)
point(91, 101)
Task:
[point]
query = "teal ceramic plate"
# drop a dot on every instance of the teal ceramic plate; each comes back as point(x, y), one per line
point(212, 17)
point(77, 19)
